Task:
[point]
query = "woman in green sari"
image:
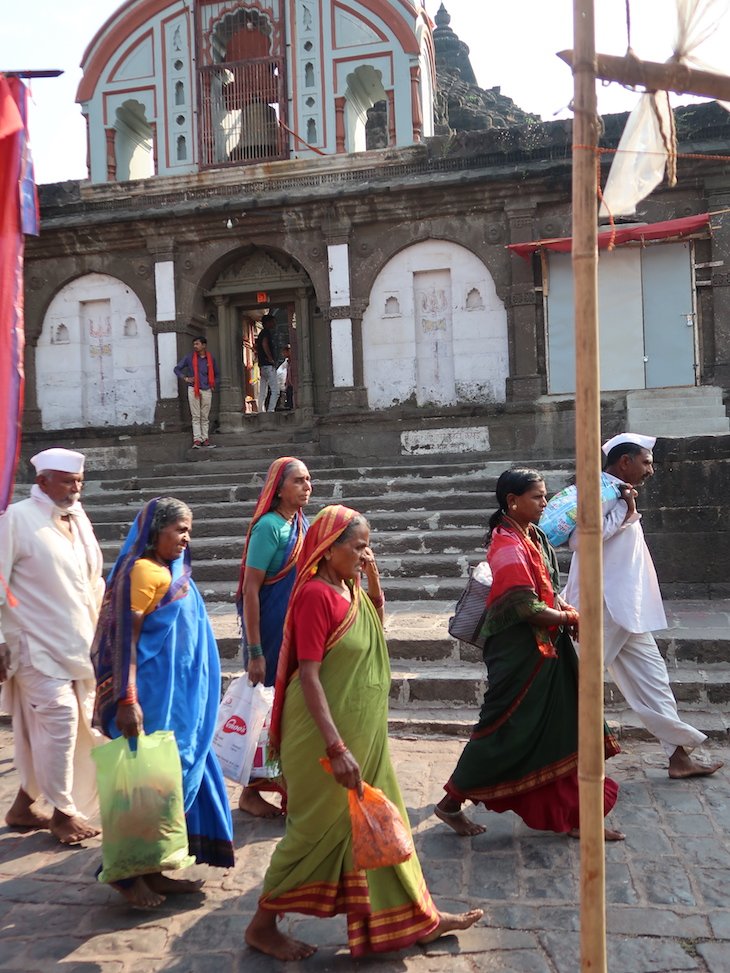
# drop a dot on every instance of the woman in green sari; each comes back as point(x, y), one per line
point(523, 753)
point(332, 688)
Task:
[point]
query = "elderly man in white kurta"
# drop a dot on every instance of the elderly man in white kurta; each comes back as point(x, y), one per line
point(51, 564)
point(633, 609)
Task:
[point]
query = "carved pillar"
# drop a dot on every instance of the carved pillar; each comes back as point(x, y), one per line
point(111, 155)
point(416, 103)
point(525, 382)
point(32, 421)
point(155, 150)
point(171, 412)
point(305, 389)
point(715, 331)
point(348, 322)
point(391, 116)
point(357, 310)
point(339, 124)
point(88, 147)
point(230, 387)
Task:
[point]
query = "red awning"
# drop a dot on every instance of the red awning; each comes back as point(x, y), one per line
point(627, 234)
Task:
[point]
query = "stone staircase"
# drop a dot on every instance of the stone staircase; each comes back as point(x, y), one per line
point(428, 517)
point(677, 412)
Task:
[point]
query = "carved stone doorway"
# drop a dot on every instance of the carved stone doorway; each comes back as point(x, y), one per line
point(255, 281)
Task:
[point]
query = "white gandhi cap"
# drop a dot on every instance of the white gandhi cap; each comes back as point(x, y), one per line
point(646, 442)
point(57, 458)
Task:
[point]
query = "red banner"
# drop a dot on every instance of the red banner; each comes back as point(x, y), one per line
point(18, 215)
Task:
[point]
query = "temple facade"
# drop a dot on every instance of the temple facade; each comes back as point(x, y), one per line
point(172, 88)
point(212, 200)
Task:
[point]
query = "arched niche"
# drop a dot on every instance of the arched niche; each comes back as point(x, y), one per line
point(364, 90)
point(103, 372)
point(134, 142)
point(441, 349)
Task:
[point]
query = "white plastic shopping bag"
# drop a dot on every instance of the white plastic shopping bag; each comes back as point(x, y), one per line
point(241, 716)
point(281, 374)
point(263, 763)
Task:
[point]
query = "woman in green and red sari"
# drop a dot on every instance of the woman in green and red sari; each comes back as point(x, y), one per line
point(523, 752)
point(268, 569)
point(332, 689)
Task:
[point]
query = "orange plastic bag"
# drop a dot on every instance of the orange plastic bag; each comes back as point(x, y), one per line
point(379, 835)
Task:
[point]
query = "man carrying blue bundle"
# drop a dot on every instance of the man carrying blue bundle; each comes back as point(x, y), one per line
point(632, 608)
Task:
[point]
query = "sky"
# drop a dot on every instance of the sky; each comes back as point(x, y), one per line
point(512, 46)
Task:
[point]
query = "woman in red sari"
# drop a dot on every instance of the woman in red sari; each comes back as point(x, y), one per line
point(523, 752)
point(332, 688)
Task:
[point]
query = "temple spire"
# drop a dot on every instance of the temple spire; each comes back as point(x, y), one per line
point(452, 54)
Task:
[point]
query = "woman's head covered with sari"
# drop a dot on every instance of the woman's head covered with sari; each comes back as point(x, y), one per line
point(111, 651)
point(268, 501)
point(331, 526)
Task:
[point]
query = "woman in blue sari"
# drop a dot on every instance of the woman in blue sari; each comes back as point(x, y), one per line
point(273, 542)
point(157, 668)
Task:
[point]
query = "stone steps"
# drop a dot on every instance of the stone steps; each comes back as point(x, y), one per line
point(118, 520)
point(322, 469)
point(428, 517)
point(124, 506)
point(677, 412)
point(438, 683)
point(458, 722)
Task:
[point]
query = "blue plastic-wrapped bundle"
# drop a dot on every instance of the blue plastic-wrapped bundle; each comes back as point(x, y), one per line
point(559, 517)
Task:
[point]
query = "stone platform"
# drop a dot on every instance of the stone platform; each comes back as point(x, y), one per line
point(667, 889)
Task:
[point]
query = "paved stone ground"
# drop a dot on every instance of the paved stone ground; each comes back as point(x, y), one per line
point(668, 889)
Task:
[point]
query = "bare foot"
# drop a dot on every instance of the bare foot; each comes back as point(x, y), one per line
point(71, 830)
point(682, 766)
point(173, 886)
point(138, 894)
point(608, 834)
point(21, 815)
point(451, 922)
point(253, 803)
point(263, 935)
point(459, 822)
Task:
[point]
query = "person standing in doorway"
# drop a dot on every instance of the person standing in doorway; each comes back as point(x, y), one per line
point(266, 352)
point(199, 372)
point(52, 564)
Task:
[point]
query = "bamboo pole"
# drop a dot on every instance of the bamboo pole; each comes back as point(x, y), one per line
point(671, 76)
point(588, 422)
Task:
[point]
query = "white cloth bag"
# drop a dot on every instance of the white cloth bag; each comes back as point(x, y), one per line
point(241, 716)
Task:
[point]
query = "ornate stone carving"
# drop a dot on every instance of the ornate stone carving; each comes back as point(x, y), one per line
point(549, 228)
point(495, 233)
point(721, 280)
point(255, 266)
point(143, 271)
point(521, 296)
point(520, 222)
point(355, 309)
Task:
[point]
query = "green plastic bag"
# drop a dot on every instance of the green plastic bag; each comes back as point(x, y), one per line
point(141, 803)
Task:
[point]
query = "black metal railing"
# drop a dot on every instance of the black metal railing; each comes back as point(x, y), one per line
point(241, 106)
